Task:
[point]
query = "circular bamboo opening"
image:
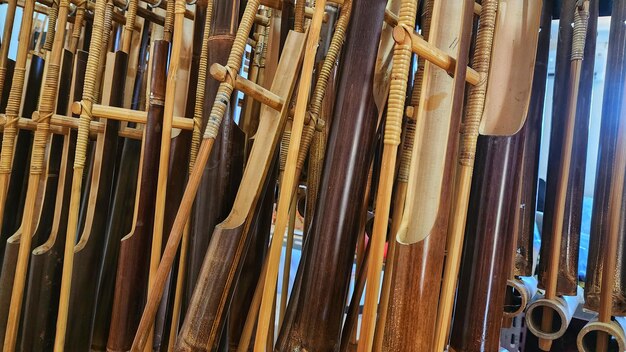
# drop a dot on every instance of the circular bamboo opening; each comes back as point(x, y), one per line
point(588, 335)
point(560, 319)
point(516, 298)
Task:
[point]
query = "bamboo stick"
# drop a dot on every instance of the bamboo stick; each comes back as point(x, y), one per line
point(217, 112)
point(473, 114)
point(46, 110)
point(6, 43)
point(578, 48)
point(393, 126)
point(13, 104)
point(91, 74)
point(290, 177)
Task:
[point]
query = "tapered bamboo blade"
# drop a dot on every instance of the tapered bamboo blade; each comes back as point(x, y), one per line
point(512, 65)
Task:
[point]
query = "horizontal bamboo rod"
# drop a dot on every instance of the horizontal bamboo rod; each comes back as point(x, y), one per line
point(248, 87)
point(433, 54)
point(128, 115)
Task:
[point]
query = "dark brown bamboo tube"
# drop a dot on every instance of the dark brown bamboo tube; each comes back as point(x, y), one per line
point(44, 272)
point(122, 203)
point(567, 281)
point(531, 132)
point(349, 153)
point(612, 107)
point(486, 252)
point(8, 75)
point(17, 185)
point(9, 243)
point(132, 269)
point(223, 172)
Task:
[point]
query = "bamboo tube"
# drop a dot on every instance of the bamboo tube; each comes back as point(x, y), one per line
point(293, 209)
point(53, 14)
point(78, 25)
point(401, 186)
point(46, 110)
point(469, 136)
point(168, 114)
point(290, 179)
point(611, 117)
point(79, 165)
point(393, 125)
point(6, 43)
point(13, 104)
point(578, 47)
point(567, 277)
point(225, 90)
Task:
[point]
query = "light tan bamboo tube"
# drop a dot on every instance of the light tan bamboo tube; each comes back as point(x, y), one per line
point(13, 104)
point(53, 14)
point(193, 154)
point(393, 127)
point(215, 118)
point(129, 27)
point(37, 168)
point(91, 73)
point(78, 25)
point(287, 264)
point(467, 153)
point(290, 177)
point(615, 328)
point(6, 42)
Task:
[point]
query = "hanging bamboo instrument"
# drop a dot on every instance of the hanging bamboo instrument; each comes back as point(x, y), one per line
point(349, 154)
point(89, 96)
point(604, 289)
point(37, 172)
point(549, 305)
point(486, 261)
point(484, 115)
point(521, 285)
point(567, 279)
point(218, 109)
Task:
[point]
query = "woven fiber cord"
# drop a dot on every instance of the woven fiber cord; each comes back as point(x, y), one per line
point(222, 98)
point(129, 27)
point(200, 88)
point(315, 106)
point(49, 93)
point(108, 21)
point(476, 97)
point(399, 76)
point(409, 128)
point(6, 38)
point(168, 25)
point(581, 19)
point(91, 73)
point(78, 24)
point(53, 14)
point(299, 16)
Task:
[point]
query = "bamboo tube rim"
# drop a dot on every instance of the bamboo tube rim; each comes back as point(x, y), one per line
point(563, 306)
point(612, 328)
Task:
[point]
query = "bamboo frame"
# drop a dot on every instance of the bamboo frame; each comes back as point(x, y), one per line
point(6, 40)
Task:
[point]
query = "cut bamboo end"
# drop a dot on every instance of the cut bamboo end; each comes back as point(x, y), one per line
point(562, 308)
point(614, 330)
point(519, 293)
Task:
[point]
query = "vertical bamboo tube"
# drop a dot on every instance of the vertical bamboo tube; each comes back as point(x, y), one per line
point(217, 112)
point(393, 126)
point(290, 177)
point(469, 136)
point(6, 43)
point(37, 167)
point(14, 102)
point(92, 71)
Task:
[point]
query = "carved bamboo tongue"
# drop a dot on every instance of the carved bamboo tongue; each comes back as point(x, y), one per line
point(545, 330)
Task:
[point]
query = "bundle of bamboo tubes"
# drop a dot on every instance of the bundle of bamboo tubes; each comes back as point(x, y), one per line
point(301, 175)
